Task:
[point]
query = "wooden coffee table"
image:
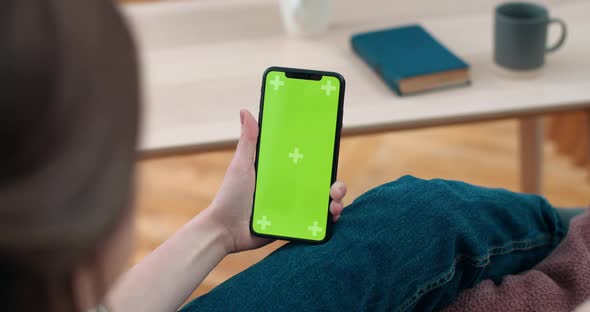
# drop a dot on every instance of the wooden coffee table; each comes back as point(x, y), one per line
point(203, 61)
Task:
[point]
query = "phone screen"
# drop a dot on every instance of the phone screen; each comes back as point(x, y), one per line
point(297, 145)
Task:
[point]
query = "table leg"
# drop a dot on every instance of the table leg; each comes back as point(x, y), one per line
point(587, 161)
point(531, 154)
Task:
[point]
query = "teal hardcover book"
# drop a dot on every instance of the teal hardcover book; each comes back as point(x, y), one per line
point(410, 60)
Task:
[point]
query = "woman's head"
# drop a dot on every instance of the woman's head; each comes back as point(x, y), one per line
point(69, 103)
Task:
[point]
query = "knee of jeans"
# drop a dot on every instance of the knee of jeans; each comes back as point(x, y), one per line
point(406, 204)
point(438, 204)
point(388, 190)
point(406, 193)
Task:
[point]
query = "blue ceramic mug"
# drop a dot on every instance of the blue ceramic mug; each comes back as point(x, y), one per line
point(520, 35)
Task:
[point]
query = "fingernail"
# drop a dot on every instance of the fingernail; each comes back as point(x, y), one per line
point(242, 117)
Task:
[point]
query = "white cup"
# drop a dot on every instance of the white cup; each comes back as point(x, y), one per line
point(305, 17)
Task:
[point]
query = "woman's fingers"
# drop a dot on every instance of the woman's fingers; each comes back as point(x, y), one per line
point(336, 207)
point(338, 190)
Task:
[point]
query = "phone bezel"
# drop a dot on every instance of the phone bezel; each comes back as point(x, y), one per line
point(311, 73)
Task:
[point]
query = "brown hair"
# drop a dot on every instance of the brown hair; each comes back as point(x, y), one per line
point(69, 102)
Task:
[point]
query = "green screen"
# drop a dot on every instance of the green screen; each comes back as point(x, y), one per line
point(295, 157)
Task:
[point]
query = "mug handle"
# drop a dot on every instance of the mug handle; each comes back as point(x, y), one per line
point(561, 40)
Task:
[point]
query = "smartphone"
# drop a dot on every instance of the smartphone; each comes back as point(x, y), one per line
point(300, 121)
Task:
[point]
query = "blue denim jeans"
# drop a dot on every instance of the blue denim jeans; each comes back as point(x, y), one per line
point(408, 245)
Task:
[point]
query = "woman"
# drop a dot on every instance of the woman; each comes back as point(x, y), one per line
point(69, 119)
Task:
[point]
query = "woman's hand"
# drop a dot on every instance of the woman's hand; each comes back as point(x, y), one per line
point(232, 206)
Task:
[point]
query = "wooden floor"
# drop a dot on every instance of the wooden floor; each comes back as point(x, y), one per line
point(172, 190)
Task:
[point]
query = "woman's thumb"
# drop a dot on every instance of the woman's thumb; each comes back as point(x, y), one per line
point(246, 150)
